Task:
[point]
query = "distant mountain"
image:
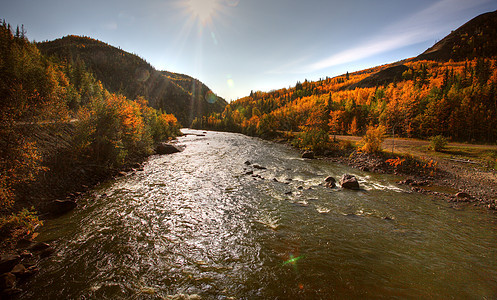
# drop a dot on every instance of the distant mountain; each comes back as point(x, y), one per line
point(130, 75)
point(476, 38)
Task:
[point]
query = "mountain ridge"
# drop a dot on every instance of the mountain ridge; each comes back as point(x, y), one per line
point(475, 38)
point(126, 73)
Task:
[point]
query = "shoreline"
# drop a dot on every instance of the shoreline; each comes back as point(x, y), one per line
point(420, 178)
point(447, 180)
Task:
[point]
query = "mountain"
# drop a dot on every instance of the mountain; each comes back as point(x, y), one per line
point(476, 38)
point(449, 90)
point(130, 75)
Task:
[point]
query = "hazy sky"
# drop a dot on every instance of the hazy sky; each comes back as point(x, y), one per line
point(235, 46)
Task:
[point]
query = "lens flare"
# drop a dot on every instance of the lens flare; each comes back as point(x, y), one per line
point(292, 260)
point(210, 97)
point(203, 10)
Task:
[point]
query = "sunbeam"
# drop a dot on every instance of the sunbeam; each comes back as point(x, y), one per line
point(203, 10)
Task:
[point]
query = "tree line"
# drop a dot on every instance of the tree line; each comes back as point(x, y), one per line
point(40, 96)
point(453, 99)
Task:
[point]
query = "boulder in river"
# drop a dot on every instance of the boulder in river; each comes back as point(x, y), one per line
point(60, 207)
point(330, 182)
point(7, 281)
point(7, 262)
point(463, 195)
point(39, 246)
point(19, 271)
point(349, 182)
point(165, 148)
point(308, 154)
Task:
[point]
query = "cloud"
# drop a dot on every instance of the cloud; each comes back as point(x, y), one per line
point(366, 50)
point(421, 26)
point(294, 66)
point(110, 26)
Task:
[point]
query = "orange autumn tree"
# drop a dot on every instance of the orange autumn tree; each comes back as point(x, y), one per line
point(454, 99)
point(33, 94)
point(114, 129)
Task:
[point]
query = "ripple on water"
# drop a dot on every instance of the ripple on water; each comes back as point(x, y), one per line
point(193, 223)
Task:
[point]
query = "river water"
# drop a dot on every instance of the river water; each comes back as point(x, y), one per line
point(195, 223)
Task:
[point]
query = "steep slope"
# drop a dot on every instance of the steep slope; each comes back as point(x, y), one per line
point(128, 74)
point(476, 38)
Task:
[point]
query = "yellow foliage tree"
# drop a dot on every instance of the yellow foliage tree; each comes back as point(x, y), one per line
point(372, 140)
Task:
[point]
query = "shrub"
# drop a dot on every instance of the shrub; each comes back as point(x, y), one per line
point(438, 143)
point(114, 130)
point(24, 221)
point(372, 140)
point(315, 140)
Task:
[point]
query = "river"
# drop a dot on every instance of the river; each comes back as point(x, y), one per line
point(195, 223)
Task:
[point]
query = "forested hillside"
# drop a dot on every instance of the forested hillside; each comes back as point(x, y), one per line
point(454, 96)
point(127, 74)
point(56, 117)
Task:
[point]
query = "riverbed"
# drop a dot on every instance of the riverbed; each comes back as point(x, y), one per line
point(235, 217)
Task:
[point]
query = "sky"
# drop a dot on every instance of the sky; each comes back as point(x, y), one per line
point(236, 46)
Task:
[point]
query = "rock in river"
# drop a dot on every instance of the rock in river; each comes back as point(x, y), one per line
point(165, 148)
point(463, 195)
point(308, 154)
point(60, 207)
point(330, 182)
point(7, 281)
point(7, 262)
point(349, 182)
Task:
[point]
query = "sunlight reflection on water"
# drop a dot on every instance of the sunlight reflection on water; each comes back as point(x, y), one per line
point(196, 223)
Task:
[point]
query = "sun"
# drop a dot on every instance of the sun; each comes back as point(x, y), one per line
point(203, 10)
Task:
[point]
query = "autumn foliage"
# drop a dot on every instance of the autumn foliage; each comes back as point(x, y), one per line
point(40, 95)
point(454, 99)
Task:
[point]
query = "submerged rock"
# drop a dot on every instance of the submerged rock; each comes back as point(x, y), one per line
point(308, 154)
point(183, 297)
point(60, 207)
point(7, 281)
point(39, 246)
point(20, 271)
point(7, 262)
point(349, 182)
point(165, 148)
point(47, 252)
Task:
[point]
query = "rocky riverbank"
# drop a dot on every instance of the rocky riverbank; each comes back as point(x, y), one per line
point(454, 181)
point(53, 195)
point(444, 179)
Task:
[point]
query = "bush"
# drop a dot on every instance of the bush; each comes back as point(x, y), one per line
point(315, 140)
point(372, 140)
point(115, 130)
point(438, 143)
point(24, 221)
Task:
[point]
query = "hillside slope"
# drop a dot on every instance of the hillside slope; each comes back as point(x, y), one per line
point(128, 74)
point(476, 38)
point(441, 92)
